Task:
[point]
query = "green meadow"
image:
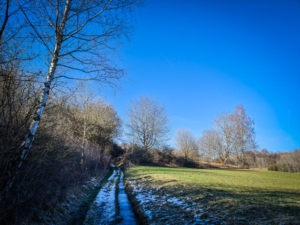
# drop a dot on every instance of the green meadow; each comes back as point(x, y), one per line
point(258, 197)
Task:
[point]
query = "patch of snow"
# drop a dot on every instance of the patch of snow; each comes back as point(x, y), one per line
point(175, 201)
point(157, 205)
point(103, 210)
point(113, 176)
point(144, 199)
point(149, 214)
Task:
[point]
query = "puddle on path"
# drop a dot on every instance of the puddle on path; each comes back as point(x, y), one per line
point(104, 208)
point(126, 213)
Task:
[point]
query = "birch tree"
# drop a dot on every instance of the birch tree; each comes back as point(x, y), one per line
point(148, 124)
point(244, 134)
point(231, 134)
point(18, 89)
point(74, 40)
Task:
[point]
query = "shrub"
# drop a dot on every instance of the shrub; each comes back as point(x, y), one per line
point(273, 167)
point(245, 166)
point(135, 155)
point(164, 157)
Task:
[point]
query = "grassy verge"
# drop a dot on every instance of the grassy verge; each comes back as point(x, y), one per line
point(222, 196)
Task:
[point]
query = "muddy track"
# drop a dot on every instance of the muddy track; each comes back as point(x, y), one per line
point(111, 206)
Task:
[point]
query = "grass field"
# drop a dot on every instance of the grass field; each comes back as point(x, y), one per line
point(222, 196)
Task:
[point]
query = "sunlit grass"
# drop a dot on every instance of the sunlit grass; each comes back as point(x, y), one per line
point(275, 196)
point(221, 178)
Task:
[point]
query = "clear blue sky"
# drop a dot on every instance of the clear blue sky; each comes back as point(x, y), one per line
point(203, 57)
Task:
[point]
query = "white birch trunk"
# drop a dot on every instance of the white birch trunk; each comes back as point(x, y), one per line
point(43, 98)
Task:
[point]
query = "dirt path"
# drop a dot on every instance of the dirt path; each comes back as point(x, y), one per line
point(111, 205)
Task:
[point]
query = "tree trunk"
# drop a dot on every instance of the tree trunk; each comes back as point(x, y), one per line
point(26, 145)
point(35, 122)
point(83, 140)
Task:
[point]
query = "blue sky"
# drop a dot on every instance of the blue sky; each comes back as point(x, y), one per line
point(203, 57)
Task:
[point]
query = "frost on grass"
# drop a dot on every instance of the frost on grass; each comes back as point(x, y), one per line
point(161, 202)
point(157, 207)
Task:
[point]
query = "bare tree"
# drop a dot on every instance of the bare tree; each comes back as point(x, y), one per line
point(186, 144)
point(95, 122)
point(108, 127)
point(73, 36)
point(244, 134)
point(103, 124)
point(18, 91)
point(211, 146)
point(83, 98)
point(232, 133)
point(148, 124)
point(289, 161)
point(224, 126)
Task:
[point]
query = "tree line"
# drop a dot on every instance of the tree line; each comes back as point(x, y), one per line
point(232, 134)
point(230, 141)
